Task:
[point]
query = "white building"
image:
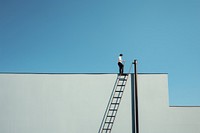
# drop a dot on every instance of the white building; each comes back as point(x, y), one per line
point(75, 103)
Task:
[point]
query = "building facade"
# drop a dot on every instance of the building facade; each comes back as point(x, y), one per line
point(75, 103)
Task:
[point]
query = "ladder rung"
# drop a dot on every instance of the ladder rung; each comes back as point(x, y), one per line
point(114, 103)
point(109, 122)
point(123, 75)
point(118, 91)
point(120, 79)
point(106, 129)
point(112, 109)
point(110, 116)
point(117, 97)
point(120, 85)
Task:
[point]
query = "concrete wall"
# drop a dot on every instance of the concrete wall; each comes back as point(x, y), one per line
point(154, 112)
point(59, 103)
point(75, 103)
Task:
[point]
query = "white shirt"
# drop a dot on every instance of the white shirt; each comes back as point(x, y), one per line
point(120, 59)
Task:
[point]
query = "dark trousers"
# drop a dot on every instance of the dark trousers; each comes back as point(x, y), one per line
point(121, 68)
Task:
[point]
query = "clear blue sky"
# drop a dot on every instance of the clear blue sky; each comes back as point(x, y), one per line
point(86, 36)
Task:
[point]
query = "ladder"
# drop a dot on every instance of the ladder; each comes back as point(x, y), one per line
point(113, 104)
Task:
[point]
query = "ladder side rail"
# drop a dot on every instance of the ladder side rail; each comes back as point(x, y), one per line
point(118, 106)
point(111, 121)
point(122, 88)
point(115, 107)
point(111, 111)
point(108, 124)
point(108, 105)
point(114, 117)
point(118, 102)
point(124, 81)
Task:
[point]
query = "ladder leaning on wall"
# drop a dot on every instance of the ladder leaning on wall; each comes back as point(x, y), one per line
point(114, 102)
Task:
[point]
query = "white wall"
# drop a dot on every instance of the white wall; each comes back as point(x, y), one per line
point(59, 103)
point(75, 103)
point(154, 112)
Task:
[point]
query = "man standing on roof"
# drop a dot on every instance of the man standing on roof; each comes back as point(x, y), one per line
point(120, 64)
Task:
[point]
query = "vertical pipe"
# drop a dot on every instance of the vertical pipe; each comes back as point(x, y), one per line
point(136, 97)
point(133, 102)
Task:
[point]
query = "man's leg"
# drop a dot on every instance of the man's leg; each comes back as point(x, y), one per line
point(119, 67)
point(122, 69)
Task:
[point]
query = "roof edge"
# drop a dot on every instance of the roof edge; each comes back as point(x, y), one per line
point(67, 73)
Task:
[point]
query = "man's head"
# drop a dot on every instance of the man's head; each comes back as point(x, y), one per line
point(121, 55)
